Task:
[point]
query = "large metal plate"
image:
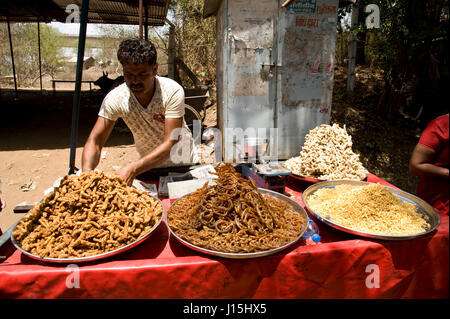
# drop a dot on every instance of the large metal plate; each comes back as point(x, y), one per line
point(293, 205)
point(93, 257)
point(422, 208)
point(307, 179)
point(312, 180)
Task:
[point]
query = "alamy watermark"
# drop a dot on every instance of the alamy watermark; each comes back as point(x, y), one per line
point(373, 19)
point(250, 145)
point(73, 279)
point(373, 279)
point(74, 13)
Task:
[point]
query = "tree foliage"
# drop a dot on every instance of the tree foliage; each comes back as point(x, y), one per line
point(26, 51)
point(195, 39)
point(411, 47)
point(111, 36)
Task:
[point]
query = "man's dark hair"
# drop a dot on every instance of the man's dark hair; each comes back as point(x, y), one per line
point(136, 51)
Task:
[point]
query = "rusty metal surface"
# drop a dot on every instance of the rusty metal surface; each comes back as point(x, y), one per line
point(307, 41)
point(248, 42)
point(100, 11)
point(274, 69)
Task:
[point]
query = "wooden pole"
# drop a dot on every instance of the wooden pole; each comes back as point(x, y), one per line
point(12, 56)
point(39, 52)
point(146, 25)
point(140, 20)
point(171, 58)
point(352, 52)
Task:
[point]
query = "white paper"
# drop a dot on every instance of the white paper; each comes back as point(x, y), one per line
point(203, 172)
point(149, 188)
point(179, 189)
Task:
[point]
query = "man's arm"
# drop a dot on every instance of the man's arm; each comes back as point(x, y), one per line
point(95, 142)
point(421, 164)
point(155, 157)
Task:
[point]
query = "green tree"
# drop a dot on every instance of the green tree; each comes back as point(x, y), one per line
point(111, 36)
point(26, 52)
point(411, 47)
point(195, 39)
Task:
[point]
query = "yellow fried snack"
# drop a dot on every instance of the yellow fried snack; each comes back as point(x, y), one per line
point(371, 208)
point(87, 215)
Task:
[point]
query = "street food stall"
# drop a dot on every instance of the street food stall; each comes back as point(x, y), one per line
point(331, 229)
point(341, 265)
point(94, 237)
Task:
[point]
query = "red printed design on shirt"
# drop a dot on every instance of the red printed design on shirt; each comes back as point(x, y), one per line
point(159, 117)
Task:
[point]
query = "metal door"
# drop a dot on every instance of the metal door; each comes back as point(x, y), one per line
point(251, 84)
point(306, 43)
point(274, 70)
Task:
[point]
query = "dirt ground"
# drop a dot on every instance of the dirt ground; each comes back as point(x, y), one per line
point(35, 139)
point(35, 144)
point(35, 147)
point(384, 148)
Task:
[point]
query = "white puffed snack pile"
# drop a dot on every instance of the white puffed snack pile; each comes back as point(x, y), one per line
point(327, 155)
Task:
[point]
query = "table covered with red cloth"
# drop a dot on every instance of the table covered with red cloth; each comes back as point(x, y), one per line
point(340, 266)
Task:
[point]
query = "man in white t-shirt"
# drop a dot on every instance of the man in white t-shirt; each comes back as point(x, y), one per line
point(151, 106)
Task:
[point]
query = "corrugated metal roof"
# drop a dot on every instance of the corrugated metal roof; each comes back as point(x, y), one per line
point(100, 11)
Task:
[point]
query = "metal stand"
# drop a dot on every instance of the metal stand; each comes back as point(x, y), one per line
point(79, 75)
point(12, 57)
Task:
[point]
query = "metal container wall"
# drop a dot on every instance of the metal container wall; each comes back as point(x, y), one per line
point(274, 70)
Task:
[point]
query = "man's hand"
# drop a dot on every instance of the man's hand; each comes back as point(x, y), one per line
point(94, 144)
point(128, 173)
point(155, 157)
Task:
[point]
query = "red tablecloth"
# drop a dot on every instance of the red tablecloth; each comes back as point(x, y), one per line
point(341, 266)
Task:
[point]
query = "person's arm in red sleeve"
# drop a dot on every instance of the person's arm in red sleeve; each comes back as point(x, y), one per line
point(423, 158)
point(421, 164)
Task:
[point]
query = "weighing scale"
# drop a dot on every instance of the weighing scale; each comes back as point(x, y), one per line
point(270, 176)
point(266, 174)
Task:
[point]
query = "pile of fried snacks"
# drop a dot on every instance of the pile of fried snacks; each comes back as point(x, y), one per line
point(87, 215)
point(327, 155)
point(371, 209)
point(233, 216)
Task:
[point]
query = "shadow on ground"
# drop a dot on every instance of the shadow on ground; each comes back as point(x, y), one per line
point(44, 121)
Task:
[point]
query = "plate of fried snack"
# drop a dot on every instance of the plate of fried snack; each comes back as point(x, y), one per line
point(233, 218)
point(370, 210)
point(327, 155)
point(88, 216)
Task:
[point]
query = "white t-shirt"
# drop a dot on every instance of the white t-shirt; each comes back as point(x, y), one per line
point(147, 124)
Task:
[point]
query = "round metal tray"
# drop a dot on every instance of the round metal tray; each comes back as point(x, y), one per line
point(293, 205)
point(93, 257)
point(311, 180)
point(422, 208)
point(307, 179)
